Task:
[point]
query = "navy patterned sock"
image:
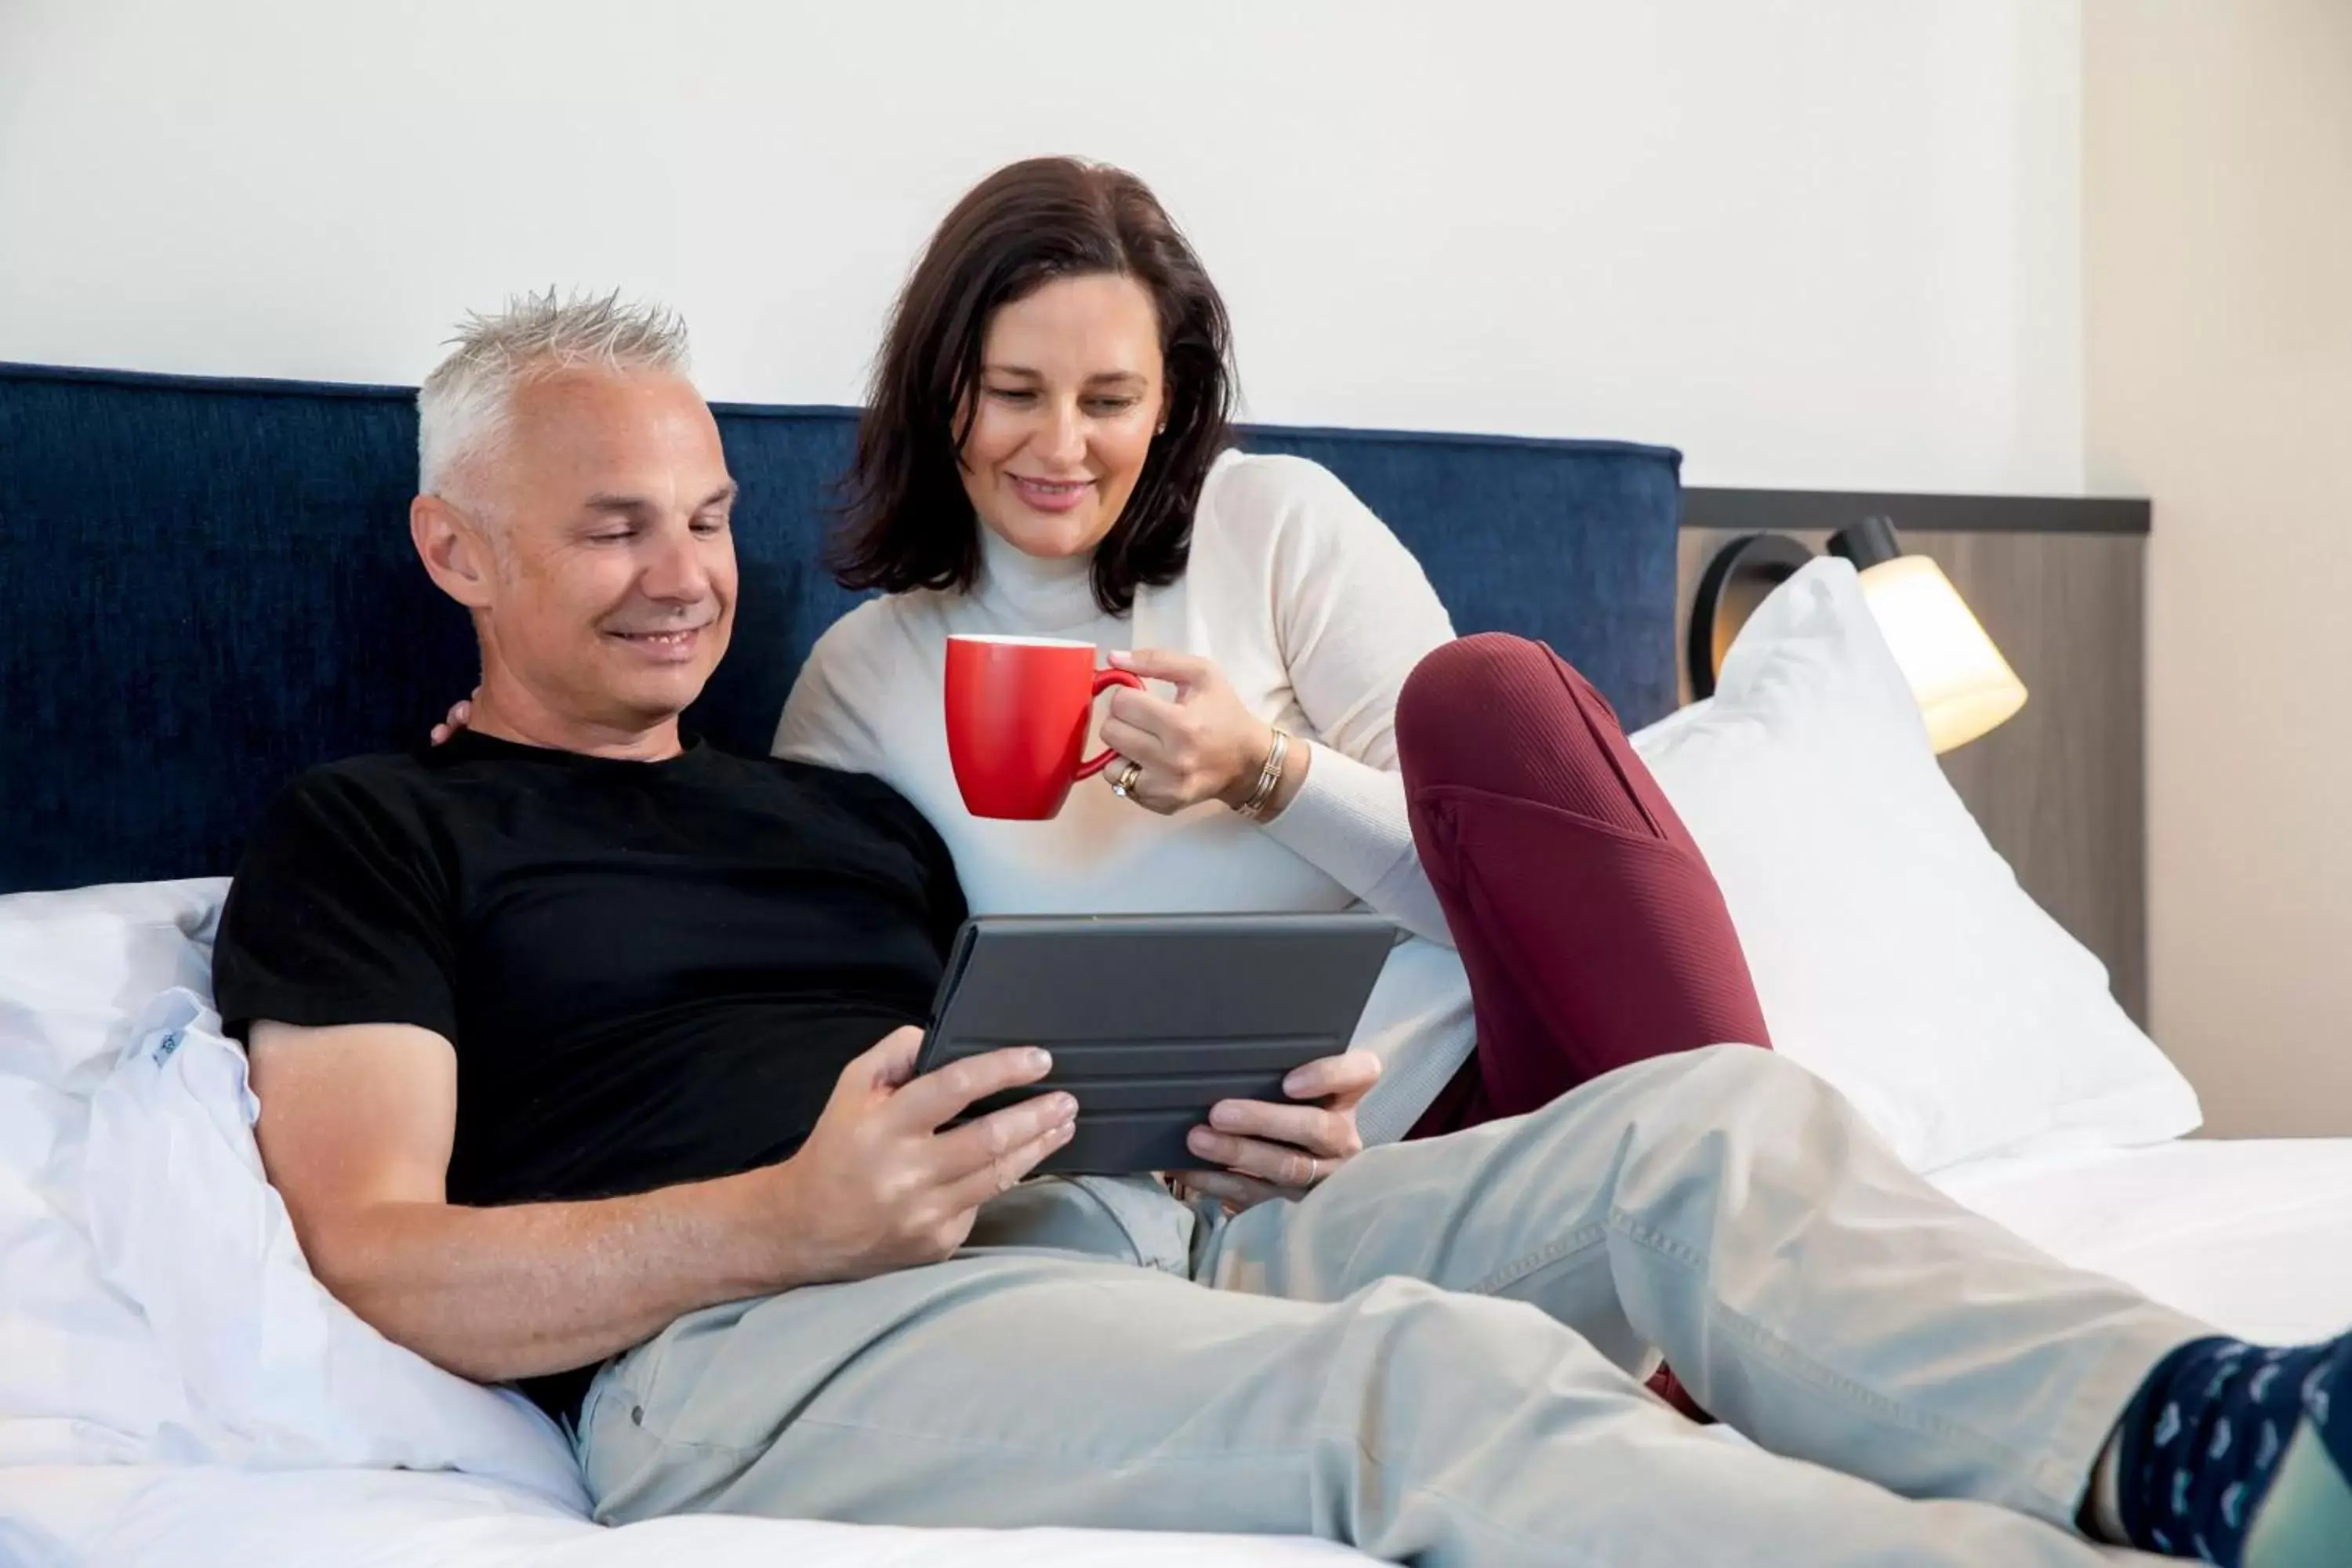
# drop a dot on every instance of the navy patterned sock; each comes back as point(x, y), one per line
point(2202, 1439)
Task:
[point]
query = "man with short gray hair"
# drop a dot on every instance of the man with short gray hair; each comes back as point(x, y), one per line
point(539, 1014)
point(585, 1056)
point(465, 406)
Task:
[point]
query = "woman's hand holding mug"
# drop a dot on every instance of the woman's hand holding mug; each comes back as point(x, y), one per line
point(1201, 744)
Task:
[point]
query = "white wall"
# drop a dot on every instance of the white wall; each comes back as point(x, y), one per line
point(2218, 222)
point(1812, 242)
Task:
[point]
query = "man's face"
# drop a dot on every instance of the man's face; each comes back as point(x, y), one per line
point(613, 591)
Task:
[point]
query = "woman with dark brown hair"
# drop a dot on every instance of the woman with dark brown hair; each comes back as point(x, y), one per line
point(1047, 453)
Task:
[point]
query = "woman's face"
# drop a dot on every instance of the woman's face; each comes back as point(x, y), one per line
point(1068, 399)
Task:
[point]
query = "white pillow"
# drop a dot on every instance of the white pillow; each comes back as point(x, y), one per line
point(276, 1372)
point(82, 1380)
point(1891, 949)
point(77, 967)
point(154, 1305)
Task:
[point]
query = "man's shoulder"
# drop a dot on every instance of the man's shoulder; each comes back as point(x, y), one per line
point(369, 770)
point(380, 776)
point(385, 799)
point(357, 822)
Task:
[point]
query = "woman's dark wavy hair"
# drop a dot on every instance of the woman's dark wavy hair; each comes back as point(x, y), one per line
point(906, 520)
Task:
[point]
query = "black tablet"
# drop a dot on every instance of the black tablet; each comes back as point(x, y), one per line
point(1151, 1019)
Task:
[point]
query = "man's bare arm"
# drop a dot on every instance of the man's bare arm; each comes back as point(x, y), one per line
point(356, 1129)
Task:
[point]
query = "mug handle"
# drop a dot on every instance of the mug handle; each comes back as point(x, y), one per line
point(1105, 679)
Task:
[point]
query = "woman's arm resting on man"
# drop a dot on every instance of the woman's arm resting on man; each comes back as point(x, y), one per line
point(356, 1129)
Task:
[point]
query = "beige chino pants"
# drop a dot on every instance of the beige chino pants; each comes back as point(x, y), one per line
point(1431, 1356)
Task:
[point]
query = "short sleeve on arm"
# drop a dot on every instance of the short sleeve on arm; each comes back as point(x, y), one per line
point(339, 913)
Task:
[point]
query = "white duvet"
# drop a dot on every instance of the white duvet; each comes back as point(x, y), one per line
point(173, 1317)
point(273, 1370)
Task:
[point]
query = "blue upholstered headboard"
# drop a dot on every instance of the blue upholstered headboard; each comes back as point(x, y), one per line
point(208, 586)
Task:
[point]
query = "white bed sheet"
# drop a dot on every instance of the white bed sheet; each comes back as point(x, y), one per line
point(193, 1517)
point(2255, 1236)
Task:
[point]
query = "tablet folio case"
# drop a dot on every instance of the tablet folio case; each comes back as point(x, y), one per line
point(1151, 1019)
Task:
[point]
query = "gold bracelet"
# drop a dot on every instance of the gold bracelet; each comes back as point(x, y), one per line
point(1269, 777)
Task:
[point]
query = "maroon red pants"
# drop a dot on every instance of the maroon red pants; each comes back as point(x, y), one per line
point(1592, 932)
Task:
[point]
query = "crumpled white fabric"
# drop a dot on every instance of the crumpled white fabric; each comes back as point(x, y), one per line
point(76, 966)
point(273, 1371)
point(81, 1379)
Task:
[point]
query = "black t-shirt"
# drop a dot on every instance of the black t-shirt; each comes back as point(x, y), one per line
point(652, 972)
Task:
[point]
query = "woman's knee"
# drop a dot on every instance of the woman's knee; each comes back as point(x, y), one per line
point(1508, 716)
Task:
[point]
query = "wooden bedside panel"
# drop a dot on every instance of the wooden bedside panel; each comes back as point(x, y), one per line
point(2061, 788)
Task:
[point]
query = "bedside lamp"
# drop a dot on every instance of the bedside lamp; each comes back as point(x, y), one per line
point(1963, 686)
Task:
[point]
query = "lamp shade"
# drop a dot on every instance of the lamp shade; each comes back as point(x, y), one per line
point(1964, 687)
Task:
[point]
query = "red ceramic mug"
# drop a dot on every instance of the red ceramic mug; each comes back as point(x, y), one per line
point(1017, 709)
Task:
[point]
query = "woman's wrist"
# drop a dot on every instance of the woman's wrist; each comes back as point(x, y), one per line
point(1293, 776)
point(1247, 769)
point(1261, 792)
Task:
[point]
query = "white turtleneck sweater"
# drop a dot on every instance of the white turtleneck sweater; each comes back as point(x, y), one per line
point(1316, 614)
